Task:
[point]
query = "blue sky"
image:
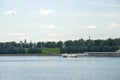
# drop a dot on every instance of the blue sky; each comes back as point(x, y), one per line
point(55, 20)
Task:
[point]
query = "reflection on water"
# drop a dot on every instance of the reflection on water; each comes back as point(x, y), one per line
point(58, 68)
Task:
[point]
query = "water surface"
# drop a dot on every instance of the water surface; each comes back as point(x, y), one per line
point(58, 68)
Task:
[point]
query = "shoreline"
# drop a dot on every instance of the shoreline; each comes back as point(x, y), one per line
point(30, 54)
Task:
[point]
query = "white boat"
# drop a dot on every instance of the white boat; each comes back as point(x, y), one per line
point(70, 55)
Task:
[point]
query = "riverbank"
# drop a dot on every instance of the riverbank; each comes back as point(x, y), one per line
point(30, 54)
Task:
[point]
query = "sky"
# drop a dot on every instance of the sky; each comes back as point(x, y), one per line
point(59, 20)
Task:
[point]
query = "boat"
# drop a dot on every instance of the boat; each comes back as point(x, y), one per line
point(70, 55)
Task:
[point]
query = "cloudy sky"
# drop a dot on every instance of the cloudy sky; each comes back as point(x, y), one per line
point(54, 20)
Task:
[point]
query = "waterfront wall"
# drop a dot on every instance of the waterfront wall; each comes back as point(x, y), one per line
point(103, 54)
point(95, 54)
point(30, 55)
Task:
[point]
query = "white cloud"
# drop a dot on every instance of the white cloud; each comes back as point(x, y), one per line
point(109, 5)
point(16, 34)
point(16, 9)
point(52, 27)
point(52, 39)
point(52, 34)
point(107, 15)
point(19, 36)
point(91, 27)
point(45, 12)
point(41, 40)
point(10, 12)
point(95, 14)
point(118, 34)
point(113, 25)
point(13, 34)
point(22, 38)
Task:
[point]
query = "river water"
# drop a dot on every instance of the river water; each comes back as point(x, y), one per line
point(58, 68)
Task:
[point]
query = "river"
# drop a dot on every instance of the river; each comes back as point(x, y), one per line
point(58, 68)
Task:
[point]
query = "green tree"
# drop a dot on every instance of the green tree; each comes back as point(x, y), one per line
point(39, 44)
point(59, 44)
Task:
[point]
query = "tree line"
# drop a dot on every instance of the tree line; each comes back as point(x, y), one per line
point(69, 46)
point(81, 46)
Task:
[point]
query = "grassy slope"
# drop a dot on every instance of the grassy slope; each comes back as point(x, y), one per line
point(51, 51)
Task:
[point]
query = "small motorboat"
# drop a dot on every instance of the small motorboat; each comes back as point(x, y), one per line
point(70, 55)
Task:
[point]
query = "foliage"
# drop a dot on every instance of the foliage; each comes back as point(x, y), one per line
point(80, 46)
point(51, 51)
point(75, 46)
point(34, 50)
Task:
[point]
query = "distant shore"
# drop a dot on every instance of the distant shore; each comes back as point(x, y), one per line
point(30, 55)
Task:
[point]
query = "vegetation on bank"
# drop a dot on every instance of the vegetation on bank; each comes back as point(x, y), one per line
point(51, 50)
point(75, 46)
